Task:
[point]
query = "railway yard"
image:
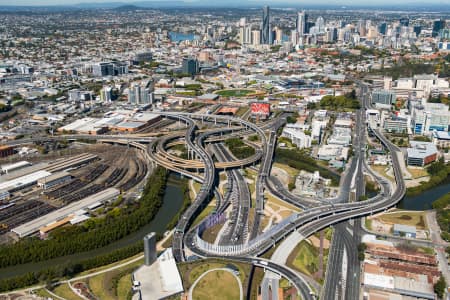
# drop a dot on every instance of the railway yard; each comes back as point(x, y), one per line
point(76, 177)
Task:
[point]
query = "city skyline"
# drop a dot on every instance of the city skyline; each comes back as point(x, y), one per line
point(218, 2)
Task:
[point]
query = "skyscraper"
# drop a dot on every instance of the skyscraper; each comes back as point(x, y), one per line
point(265, 36)
point(190, 66)
point(301, 22)
point(320, 24)
point(438, 25)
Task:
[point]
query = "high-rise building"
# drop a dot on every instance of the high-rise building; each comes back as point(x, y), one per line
point(150, 248)
point(320, 24)
point(256, 37)
point(404, 22)
point(438, 25)
point(417, 29)
point(295, 40)
point(190, 66)
point(301, 22)
point(265, 36)
point(278, 35)
point(106, 94)
point(382, 28)
point(141, 93)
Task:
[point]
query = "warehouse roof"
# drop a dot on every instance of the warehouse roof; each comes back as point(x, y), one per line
point(23, 181)
point(17, 165)
point(34, 225)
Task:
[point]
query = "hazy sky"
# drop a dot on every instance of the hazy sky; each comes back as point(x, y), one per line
point(273, 2)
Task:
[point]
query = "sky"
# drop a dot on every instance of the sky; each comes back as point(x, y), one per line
point(272, 2)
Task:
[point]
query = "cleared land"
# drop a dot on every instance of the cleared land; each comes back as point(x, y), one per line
point(219, 283)
point(235, 93)
point(404, 217)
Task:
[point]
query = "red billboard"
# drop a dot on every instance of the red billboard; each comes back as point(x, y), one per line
point(259, 108)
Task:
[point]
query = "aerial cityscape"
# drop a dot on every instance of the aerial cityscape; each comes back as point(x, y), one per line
point(211, 150)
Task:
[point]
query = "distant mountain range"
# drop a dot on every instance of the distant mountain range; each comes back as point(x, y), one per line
point(412, 6)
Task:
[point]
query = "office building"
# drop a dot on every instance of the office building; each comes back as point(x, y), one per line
point(404, 22)
point(106, 94)
point(396, 124)
point(298, 137)
point(190, 66)
point(301, 22)
point(385, 97)
point(421, 153)
point(265, 35)
point(142, 57)
point(417, 29)
point(150, 248)
point(141, 93)
point(256, 37)
point(438, 25)
point(109, 69)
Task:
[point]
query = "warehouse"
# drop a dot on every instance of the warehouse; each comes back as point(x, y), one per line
point(54, 180)
point(23, 181)
point(34, 226)
point(15, 166)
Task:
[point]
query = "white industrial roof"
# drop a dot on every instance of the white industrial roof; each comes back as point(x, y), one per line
point(24, 180)
point(378, 280)
point(171, 280)
point(17, 165)
point(34, 225)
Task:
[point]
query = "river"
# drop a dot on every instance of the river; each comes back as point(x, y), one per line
point(173, 199)
point(425, 199)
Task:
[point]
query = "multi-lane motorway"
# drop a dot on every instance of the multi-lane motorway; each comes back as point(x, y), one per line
point(316, 214)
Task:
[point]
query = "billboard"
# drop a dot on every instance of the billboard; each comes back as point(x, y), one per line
point(260, 108)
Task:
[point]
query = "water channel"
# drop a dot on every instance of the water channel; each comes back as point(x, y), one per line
point(173, 199)
point(425, 199)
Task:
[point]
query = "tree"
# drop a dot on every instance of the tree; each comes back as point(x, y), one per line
point(439, 287)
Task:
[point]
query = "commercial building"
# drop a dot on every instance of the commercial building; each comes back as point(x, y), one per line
point(404, 230)
point(141, 93)
point(421, 153)
point(429, 117)
point(333, 152)
point(109, 69)
point(396, 124)
point(191, 66)
point(298, 137)
point(384, 97)
point(441, 139)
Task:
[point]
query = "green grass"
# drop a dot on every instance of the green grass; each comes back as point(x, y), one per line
point(220, 285)
point(124, 287)
point(235, 93)
point(304, 258)
point(368, 223)
point(406, 218)
point(65, 292)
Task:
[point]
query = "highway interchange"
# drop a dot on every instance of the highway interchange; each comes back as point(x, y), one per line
point(242, 239)
point(246, 243)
